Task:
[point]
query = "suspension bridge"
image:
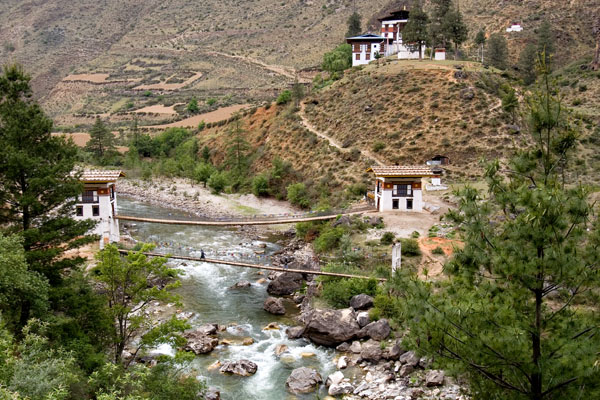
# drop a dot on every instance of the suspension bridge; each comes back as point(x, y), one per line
point(255, 266)
point(255, 220)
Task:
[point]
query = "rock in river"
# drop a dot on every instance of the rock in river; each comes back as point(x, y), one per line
point(200, 343)
point(361, 302)
point(241, 285)
point(331, 327)
point(303, 380)
point(377, 330)
point(240, 367)
point(285, 284)
point(274, 306)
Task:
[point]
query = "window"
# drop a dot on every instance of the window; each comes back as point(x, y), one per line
point(357, 56)
point(89, 196)
point(96, 211)
point(395, 203)
point(409, 204)
point(112, 192)
point(368, 57)
point(402, 191)
point(79, 211)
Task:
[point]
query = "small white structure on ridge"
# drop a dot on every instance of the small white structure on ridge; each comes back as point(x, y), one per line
point(514, 27)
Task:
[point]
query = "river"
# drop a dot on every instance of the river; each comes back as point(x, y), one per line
point(205, 292)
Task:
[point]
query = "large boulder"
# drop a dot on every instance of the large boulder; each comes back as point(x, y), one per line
point(393, 352)
point(331, 327)
point(212, 394)
point(363, 319)
point(371, 351)
point(241, 285)
point(378, 330)
point(303, 380)
point(274, 306)
point(285, 284)
point(199, 343)
point(207, 329)
point(340, 389)
point(240, 367)
point(409, 358)
point(294, 332)
point(434, 378)
point(361, 302)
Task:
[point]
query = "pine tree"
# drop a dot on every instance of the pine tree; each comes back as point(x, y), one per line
point(480, 41)
point(455, 29)
point(354, 25)
point(497, 51)
point(101, 141)
point(416, 30)
point(436, 29)
point(527, 60)
point(509, 316)
point(545, 41)
point(37, 186)
point(237, 151)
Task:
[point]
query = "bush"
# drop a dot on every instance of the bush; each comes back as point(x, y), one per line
point(260, 185)
point(378, 146)
point(284, 97)
point(217, 182)
point(388, 238)
point(201, 126)
point(193, 106)
point(415, 235)
point(211, 101)
point(438, 250)
point(329, 239)
point(308, 230)
point(410, 247)
point(298, 195)
point(338, 291)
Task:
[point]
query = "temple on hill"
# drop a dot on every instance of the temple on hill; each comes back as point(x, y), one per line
point(391, 29)
point(99, 202)
point(399, 187)
point(366, 48)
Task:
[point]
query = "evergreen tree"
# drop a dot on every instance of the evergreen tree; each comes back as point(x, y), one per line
point(595, 64)
point(454, 28)
point(354, 25)
point(102, 140)
point(203, 172)
point(545, 41)
point(436, 29)
point(527, 60)
point(509, 317)
point(36, 182)
point(193, 106)
point(416, 30)
point(510, 102)
point(237, 151)
point(480, 41)
point(206, 154)
point(497, 51)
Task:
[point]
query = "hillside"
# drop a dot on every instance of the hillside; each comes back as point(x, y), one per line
point(238, 53)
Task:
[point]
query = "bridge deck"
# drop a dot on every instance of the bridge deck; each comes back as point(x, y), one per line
point(247, 221)
point(257, 266)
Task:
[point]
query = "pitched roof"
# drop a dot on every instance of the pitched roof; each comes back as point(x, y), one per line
point(366, 36)
point(98, 175)
point(402, 170)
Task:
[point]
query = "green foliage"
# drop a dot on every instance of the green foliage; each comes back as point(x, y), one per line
point(510, 102)
point(125, 281)
point(527, 60)
point(497, 51)
point(217, 182)
point(20, 288)
point(410, 247)
point(193, 106)
point(354, 25)
point(338, 60)
point(510, 318)
point(101, 141)
point(415, 235)
point(237, 151)
point(417, 28)
point(328, 239)
point(260, 185)
point(436, 30)
point(480, 37)
point(338, 291)
point(545, 42)
point(284, 97)
point(388, 238)
point(201, 126)
point(378, 146)
point(36, 181)
point(206, 154)
point(211, 101)
point(203, 172)
point(438, 250)
point(298, 195)
point(455, 28)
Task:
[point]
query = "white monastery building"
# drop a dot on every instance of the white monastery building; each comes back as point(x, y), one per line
point(391, 29)
point(99, 202)
point(366, 48)
point(399, 187)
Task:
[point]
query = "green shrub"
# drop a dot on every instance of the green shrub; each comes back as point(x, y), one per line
point(338, 291)
point(329, 239)
point(388, 238)
point(415, 235)
point(260, 185)
point(298, 195)
point(378, 146)
point(193, 106)
point(201, 126)
point(309, 230)
point(217, 182)
point(390, 307)
point(438, 250)
point(211, 101)
point(410, 247)
point(284, 97)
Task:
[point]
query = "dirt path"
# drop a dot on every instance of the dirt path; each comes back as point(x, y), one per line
point(306, 123)
point(278, 69)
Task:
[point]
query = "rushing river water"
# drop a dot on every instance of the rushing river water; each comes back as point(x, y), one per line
point(205, 291)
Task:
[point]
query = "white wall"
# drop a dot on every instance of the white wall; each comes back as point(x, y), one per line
point(386, 199)
point(375, 48)
point(107, 226)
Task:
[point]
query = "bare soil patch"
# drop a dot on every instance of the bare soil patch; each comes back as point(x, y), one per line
point(158, 109)
point(170, 86)
point(94, 78)
point(81, 138)
point(213, 116)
